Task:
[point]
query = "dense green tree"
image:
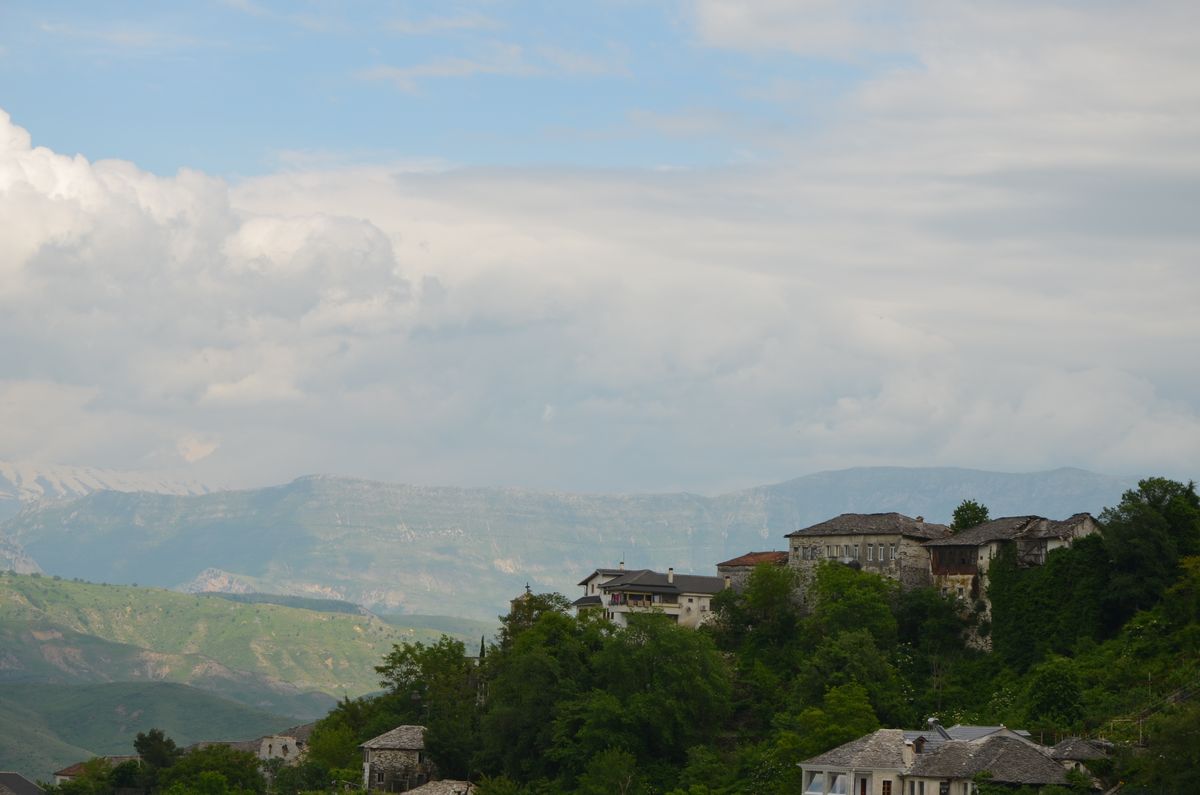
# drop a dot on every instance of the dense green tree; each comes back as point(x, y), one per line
point(854, 657)
point(213, 769)
point(659, 689)
point(611, 772)
point(526, 609)
point(156, 749)
point(968, 514)
point(545, 666)
point(441, 686)
point(845, 714)
point(846, 599)
point(1145, 536)
point(1053, 698)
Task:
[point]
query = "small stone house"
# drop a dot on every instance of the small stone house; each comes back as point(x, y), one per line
point(736, 572)
point(889, 544)
point(1074, 752)
point(395, 761)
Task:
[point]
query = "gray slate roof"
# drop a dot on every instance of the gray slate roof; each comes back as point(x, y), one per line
point(18, 784)
point(973, 733)
point(587, 601)
point(647, 581)
point(1009, 527)
point(604, 572)
point(881, 749)
point(405, 738)
point(873, 524)
point(1003, 529)
point(1078, 749)
point(1009, 760)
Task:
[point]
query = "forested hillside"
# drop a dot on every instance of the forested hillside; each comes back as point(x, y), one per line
point(1102, 641)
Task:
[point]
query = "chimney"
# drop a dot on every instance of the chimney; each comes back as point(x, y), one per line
point(920, 520)
point(621, 565)
point(671, 575)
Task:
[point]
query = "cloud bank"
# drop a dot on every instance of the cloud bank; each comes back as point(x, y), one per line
point(985, 255)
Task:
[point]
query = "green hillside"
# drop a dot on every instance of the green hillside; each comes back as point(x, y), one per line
point(282, 659)
point(46, 727)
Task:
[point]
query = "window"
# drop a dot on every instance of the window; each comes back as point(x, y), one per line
point(887, 787)
point(816, 784)
point(856, 551)
point(828, 551)
point(912, 788)
point(891, 551)
point(960, 592)
point(838, 785)
point(920, 788)
point(870, 552)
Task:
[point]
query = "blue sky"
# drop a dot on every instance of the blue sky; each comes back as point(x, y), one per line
point(612, 245)
point(243, 87)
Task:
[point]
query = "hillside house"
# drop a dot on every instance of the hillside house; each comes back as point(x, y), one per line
point(395, 761)
point(736, 572)
point(934, 762)
point(958, 563)
point(684, 597)
point(592, 597)
point(72, 772)
point(889, 544)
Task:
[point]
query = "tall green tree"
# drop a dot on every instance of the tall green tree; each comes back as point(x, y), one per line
point(1145, 535)
point(659, 689)
point(215, 768)
point(547, 665)
point(441, 686)
point(526, 609)
point(968, 514)
point(845, 599)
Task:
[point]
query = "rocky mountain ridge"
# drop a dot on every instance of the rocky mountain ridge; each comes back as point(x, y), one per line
point(467, 551)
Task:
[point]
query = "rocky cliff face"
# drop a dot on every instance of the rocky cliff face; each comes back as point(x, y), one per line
point(468, 551)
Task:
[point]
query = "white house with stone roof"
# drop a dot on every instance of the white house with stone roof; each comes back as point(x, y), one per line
point(684, 597)
point(935, 762)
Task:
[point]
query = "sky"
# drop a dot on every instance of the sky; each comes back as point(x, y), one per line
point(616, 245)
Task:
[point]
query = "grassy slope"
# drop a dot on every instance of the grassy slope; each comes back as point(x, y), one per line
point(44, 727)
point(56, 630)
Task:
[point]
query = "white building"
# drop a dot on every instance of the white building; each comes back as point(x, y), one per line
point(685, 597)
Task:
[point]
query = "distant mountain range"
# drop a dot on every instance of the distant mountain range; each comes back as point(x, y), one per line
point(468, 551)
point(24, 483)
